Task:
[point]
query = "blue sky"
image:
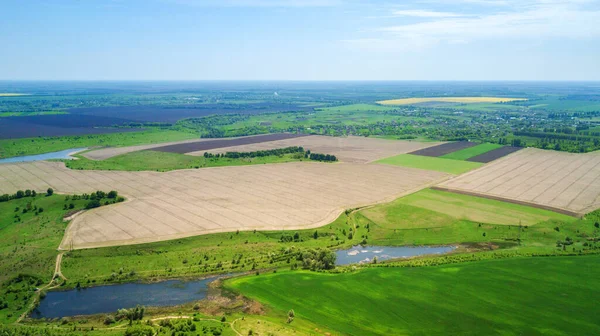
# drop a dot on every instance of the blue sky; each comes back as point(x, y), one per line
point(300, 40)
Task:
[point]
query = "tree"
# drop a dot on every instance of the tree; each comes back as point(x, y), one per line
point(49, 192)
point(20, 194)
point(315, 235)
point(112, 194)
point(93, 204)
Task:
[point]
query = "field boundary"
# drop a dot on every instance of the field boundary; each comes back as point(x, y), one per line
point(513, 201)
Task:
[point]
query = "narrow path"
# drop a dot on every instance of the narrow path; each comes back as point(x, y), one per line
point(57, 271)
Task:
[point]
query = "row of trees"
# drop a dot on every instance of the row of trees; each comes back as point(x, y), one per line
point(261, 153)
point(322, 157)
point(278, 152)
point(20, 194)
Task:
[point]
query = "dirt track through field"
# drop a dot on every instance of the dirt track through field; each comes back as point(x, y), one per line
point(559, 180)
point(184, 203)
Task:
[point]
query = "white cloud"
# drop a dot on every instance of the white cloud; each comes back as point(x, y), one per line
point(527, 19)
point(424, 13)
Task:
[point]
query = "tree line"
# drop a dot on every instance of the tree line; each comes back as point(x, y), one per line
point(23, 193)
point(274, 152)
point(260, 153)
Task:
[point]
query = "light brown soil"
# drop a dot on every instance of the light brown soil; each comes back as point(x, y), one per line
point(557, 180)
point(185, 203)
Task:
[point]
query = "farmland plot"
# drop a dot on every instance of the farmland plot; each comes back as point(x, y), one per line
point(564, 181)
point(346, 149)
point(185, 203)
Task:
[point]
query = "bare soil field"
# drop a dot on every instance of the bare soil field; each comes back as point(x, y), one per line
point(49, 125)
point(346, 149)
point(494, 154)
point(443, 149)
point(558, 180)
point(204, 145)
point(185, 203)
point(171, 114)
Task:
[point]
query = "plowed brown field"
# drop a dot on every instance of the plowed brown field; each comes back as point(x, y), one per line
point(184, 203)
point(347, 149)
point(549, 178)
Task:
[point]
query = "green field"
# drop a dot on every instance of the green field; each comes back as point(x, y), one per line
point(27, 114)
point(163, 161)
point(433, 208)
point(31, 146)
point(431, 163)
point(525, 296)
point(393, 224)
point(28, 243)
point(468, 153)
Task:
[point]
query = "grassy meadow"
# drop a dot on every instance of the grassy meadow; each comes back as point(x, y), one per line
point(28, 243)
point(470, 152)
point(27, 114)
point(401, 213)
point(163, 161)
point(444, 165)
point(525, 296)
point(31, 146)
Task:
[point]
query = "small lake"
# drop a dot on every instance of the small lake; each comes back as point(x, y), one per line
point(365, 254)
point(109, 299)
point(64, 154)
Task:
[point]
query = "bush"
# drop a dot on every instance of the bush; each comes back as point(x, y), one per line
point(109, 319)
point(140, 330)
point(93, 204)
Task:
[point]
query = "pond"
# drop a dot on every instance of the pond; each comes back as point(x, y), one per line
point(108, 299)
point(365, 254)
point(64, 154)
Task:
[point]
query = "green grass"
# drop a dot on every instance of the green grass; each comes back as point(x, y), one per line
point(468, 153)
point(433, 208)
point(31, 146)
point(162, 161)
point(26, 114)
point(28, 244)
point(431, 163)
point(526, 296)
point(431, 217)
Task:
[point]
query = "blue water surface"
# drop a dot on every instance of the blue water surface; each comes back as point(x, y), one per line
point(64, 154)
point(365, 254)
point(108, 299)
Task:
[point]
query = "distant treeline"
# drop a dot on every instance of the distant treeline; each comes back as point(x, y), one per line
point(278, 152)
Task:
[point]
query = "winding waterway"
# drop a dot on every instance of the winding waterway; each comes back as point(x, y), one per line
point(64, 154)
